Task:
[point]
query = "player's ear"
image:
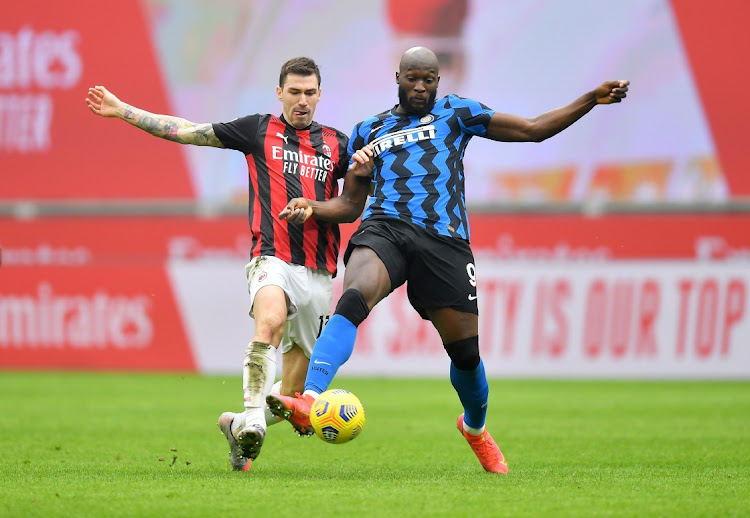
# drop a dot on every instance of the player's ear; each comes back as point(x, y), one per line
point(396, 77)
point(278, 92)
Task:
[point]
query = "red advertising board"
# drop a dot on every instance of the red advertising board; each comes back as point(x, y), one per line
point(558, 294)
point(94, 292)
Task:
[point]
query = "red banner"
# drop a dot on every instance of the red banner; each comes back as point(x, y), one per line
point(95, 293)
point(51, 145)
point(716, 40)
point(113, 317)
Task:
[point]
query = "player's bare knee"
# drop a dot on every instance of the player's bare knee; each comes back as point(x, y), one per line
point(464, 353)
point(270, 327)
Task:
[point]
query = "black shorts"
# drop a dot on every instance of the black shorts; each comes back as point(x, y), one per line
point(439, 270)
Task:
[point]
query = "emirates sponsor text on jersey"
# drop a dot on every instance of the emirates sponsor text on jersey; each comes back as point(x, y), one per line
point(307, 166)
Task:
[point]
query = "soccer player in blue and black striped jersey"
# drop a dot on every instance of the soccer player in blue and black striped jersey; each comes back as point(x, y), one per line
point(416, 231)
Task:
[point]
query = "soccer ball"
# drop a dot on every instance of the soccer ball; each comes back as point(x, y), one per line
point(337, 416)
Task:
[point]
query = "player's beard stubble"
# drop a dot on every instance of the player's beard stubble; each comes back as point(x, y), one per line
point(403, 100)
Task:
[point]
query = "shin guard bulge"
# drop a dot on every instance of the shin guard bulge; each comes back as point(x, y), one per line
point(258, 374)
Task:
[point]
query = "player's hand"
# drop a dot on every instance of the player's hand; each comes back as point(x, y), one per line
point(363, 161)
point(102, 102)
point(611, 92)
point(297, 211)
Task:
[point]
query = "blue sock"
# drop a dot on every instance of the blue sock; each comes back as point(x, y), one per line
point(332, 349)
point(473, 392)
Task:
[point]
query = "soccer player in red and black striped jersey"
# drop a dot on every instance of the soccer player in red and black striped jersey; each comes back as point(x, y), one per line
point(289, 275)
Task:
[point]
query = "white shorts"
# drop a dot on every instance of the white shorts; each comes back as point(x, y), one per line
point(309, 291)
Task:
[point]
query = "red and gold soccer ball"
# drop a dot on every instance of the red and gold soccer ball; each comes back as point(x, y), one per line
point(337, 416)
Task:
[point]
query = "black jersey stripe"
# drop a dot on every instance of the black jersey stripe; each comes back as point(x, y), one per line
point(316, 141)
point(294, 190)
point(267, 246)
point(404, 174)
point(341, 152)
point(428, 183)
point(252, 197)
point(455, 210)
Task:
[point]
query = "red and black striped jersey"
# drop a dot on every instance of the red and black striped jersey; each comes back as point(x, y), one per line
point(284, 163)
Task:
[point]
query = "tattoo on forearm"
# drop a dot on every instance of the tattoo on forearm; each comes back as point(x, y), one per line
point(171, 130)
point(158, 126)
point(204, 134)
point(150, 124)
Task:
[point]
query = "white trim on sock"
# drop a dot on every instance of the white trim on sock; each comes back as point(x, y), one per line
point(474, 431)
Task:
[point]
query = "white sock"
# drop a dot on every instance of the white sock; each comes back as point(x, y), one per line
point(258, 376)
point(312, 393)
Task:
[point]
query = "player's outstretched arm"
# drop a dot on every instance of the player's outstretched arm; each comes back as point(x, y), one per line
point(512, 128)
point(344, 208)
point(104, 103)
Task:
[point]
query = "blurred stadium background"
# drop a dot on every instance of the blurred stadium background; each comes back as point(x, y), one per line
point(619, 248)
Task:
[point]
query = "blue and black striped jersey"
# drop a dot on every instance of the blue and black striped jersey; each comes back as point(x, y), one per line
point(419, 172)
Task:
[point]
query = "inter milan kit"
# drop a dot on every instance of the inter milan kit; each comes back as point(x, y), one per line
point(419, 182)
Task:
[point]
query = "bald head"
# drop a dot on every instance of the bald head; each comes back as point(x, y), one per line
point(417, 79)
point(419, 57)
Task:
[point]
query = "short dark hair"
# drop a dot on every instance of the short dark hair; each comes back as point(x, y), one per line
point(300, 66)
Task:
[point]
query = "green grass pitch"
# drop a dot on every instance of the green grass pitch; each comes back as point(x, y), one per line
point(111, 444)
